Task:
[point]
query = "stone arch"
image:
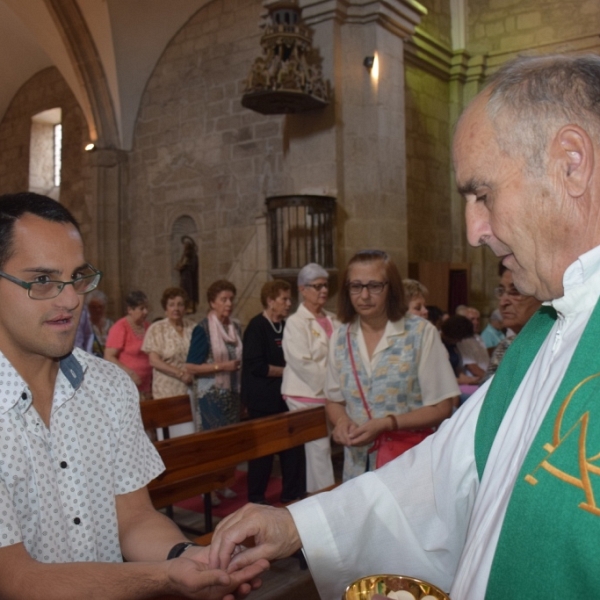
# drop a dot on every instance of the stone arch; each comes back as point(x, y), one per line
point(86, 63)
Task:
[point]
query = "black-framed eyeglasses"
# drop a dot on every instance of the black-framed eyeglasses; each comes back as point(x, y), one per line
point(86, 281)
point(373, 287)
point(317, 286)
point(513, 292)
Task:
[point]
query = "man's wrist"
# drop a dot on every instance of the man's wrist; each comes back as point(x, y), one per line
point(178, 549)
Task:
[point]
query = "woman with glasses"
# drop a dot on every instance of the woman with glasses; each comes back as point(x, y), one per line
point(385, 358)
point(306, 347)
point(97, 303)
point(515, 310)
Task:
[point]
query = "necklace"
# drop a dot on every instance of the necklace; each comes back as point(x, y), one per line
point(138, 330)
point(273, 324)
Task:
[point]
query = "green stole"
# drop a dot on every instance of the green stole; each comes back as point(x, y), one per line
point(549, 545)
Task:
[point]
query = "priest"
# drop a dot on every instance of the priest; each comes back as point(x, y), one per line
point(504, 500)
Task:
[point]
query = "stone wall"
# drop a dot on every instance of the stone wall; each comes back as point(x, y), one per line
point(198, 152)
point(428, 167)
point(45, 90)
point(518, 25)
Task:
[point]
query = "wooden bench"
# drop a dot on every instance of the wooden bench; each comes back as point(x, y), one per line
point(205, 461)
point(164, 412)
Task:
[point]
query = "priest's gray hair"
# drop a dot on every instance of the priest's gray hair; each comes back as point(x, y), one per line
point(531, 98)
point(310, 272)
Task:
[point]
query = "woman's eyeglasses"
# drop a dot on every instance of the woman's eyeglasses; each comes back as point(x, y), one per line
point(373, 287)
point(317, 286)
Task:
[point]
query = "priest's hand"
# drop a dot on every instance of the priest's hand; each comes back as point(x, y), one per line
point(273, 529)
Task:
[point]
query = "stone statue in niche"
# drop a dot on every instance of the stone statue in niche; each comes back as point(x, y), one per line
point(187, 266)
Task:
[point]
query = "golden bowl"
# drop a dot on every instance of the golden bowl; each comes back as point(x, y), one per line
point(366, 587)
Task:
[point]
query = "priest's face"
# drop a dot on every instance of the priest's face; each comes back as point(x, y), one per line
point(518, 216)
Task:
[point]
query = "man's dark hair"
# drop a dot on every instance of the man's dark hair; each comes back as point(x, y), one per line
point(14, 206)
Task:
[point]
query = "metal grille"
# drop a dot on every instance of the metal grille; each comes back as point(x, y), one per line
point(301, 230)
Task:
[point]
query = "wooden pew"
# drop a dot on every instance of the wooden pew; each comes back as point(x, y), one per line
point(228, 446)
point(161, 414)
point(164, 412)
point(203, 462)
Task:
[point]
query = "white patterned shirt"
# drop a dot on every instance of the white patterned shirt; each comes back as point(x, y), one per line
point(58, 485)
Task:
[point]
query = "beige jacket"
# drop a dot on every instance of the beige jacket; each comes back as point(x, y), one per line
point(306, 348)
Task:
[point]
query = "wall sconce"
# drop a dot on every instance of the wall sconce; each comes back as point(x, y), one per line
point(89, 147)
point(369, 62)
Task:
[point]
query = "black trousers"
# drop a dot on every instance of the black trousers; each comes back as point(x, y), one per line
point(293, 471)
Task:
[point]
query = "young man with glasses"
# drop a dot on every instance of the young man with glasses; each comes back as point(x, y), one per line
point(74, 459)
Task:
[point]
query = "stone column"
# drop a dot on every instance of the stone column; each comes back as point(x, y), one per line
point(363, 137)
point(111, 248)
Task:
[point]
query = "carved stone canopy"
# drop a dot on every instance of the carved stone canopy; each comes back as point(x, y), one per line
point(287, 77)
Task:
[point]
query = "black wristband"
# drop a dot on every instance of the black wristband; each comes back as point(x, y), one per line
point(179, 549)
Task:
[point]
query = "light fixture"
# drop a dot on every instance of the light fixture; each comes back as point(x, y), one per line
point(369, 62)
point(89, 147)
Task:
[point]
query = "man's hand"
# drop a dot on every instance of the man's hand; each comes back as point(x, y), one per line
point(273, 529)
point(191, 576)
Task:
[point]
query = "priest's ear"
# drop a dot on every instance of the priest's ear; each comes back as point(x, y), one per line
point(572, 152)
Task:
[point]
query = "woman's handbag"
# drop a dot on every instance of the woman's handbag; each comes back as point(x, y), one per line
point(219, 407)
point(389, 444)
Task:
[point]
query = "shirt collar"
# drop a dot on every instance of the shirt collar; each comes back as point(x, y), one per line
point(581, 284)
point(392, 328)
point(12, 385)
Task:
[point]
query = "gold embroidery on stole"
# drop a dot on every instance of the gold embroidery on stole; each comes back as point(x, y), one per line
point(585, 463)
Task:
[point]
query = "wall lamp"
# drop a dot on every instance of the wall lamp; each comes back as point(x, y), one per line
point(369, 62)
point(89, 147)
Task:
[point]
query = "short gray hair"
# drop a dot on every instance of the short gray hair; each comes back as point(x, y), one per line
point(310, 272)
point(496, 316)
point(538, 96)
point(97, 295)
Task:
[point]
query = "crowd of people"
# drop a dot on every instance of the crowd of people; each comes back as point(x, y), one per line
point(385, 361)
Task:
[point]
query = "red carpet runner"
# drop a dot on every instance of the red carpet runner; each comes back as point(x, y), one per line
point(229, 506)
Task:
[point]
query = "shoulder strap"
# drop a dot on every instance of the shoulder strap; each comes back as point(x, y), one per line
point(358, 385)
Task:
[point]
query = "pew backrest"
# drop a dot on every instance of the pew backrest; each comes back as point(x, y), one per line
point(202, 461)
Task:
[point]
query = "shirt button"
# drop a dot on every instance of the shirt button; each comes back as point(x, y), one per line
point(63, 465)
point(77, 520)
point(23, 396)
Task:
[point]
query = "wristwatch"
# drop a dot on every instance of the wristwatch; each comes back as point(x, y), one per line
point(179, 549)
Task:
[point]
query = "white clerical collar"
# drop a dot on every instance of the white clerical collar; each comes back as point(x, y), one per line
point(581, 284)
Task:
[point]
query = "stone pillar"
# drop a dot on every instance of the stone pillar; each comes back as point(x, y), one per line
point(363, 137)
point(110, 250)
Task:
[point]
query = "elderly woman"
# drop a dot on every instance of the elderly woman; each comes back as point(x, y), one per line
point(96, 304)
point(167, 343)
point(385, 359)
point(214, 358)
point(306, 347)
point(124, 343)
point(262, 371)
point(414, 294)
